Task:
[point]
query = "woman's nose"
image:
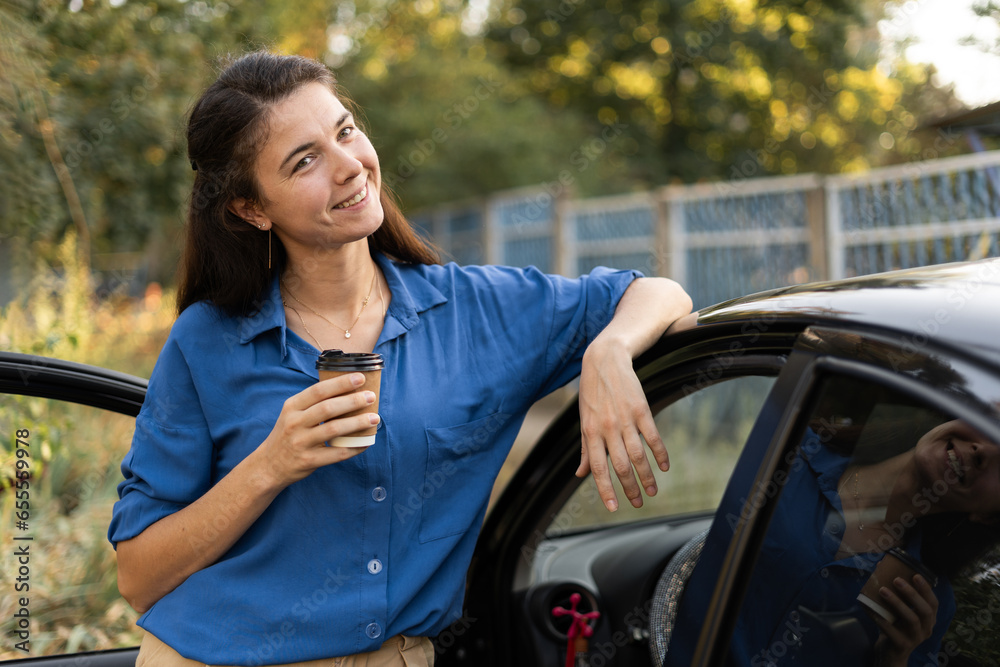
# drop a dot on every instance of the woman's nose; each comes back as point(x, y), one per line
point(346, 166)
point(985, 454)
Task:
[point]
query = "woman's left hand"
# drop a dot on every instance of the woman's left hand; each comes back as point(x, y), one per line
point(915, 606)
point(613, 415)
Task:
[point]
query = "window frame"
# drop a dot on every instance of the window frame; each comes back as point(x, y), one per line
point(890, 359)
point(83, 384)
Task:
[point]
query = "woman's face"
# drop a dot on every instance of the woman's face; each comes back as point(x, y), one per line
point(318, 174)
point(961, 470)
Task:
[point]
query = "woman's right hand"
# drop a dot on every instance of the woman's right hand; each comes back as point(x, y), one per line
point(915, 606)
point(297, 444)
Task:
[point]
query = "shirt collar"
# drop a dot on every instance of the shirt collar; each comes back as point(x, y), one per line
point(409, 299)
point(270, 315)
point(410, 296)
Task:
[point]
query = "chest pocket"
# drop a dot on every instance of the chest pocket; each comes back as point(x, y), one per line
point(462, 464)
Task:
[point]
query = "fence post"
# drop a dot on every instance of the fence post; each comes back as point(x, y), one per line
point(835, 241)
point(439, 229)
point(492, 238)
point(564, 254)
point(669, 241)
point(816, 221)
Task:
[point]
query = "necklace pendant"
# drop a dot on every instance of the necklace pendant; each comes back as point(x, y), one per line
point(347, 334)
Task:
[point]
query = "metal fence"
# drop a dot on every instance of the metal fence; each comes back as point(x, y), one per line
point(731, 238)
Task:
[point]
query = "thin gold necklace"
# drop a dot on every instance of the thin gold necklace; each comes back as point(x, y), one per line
point(347, 331)
point(380, 299)
point(857, 507)
point(294, 310)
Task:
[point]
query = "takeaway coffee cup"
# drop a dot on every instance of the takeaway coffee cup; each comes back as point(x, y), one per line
point(333, 363)
point(895, 563)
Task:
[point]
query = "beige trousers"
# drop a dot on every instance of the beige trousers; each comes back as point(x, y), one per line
point(398, 651)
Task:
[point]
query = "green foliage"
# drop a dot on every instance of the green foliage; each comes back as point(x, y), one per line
point(115, 82)
point(972, 632)
point(989, 9)
point(74, 599)
point(75, 453)
point(60, 315)
point(788, 86)
point(613, 96)
point(448, 120)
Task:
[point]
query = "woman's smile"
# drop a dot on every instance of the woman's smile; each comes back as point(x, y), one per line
point(955, 462)
point(354, 200)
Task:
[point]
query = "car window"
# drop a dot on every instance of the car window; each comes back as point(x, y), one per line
point(59, 471)
point(704, 428)
point(880, 488)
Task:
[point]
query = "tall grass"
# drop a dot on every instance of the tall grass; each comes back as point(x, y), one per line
point(73, 598)
point(59, 314)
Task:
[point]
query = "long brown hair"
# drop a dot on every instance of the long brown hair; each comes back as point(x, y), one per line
point(224, 259)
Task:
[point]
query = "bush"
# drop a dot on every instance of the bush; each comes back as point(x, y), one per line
point(74, 603)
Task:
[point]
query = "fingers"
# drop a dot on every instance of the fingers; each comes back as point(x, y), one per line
point(598, 462)
point(343, 384)
point(337, 406)
point(636, 460)
point(627, 458)
point(915, 607)
point(584, 466)
point(316, 415)
point(620, 454)
point(649, 431)
point(919, 599)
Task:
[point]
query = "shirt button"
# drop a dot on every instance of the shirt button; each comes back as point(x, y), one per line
point(374, 566)
point(373, 631)
point(378, 494)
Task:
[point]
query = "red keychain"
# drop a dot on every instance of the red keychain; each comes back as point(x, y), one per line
point(579, 630)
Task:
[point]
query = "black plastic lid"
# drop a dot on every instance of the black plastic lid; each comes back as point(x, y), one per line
point(338, 360)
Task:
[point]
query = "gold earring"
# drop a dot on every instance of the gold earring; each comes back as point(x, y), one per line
point(268, 248)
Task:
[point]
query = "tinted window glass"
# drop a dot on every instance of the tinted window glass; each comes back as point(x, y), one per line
point(59, 469)
point(704, 432)
point(882, 546)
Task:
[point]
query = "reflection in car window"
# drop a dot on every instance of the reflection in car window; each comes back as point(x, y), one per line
point(882, 546)
point(704, 432)
point(70, 583)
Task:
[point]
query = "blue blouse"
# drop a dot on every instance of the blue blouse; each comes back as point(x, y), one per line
point(379, 544)
point(800, 589)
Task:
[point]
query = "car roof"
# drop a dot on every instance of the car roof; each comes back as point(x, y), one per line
point(951, 304)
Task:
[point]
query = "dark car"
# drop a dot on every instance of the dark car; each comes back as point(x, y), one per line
point(819, 435)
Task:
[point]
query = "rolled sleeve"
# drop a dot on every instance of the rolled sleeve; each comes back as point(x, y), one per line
point(581, 309)
point(165, 470)
point(169, 464)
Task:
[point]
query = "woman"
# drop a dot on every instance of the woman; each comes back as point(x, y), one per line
point(938, 500)
point(240, 535)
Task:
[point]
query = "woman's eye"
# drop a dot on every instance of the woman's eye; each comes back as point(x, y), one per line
point(346, 131)
point(304, 162)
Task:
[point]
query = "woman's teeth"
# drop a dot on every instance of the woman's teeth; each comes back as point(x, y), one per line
point(353, 200)
point(955, 465)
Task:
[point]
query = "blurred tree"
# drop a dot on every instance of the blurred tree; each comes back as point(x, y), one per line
point(989, 9)
point(28, 183)
point(448, 120)
point(94, 99)
point(462, 97)
point(723, 88)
